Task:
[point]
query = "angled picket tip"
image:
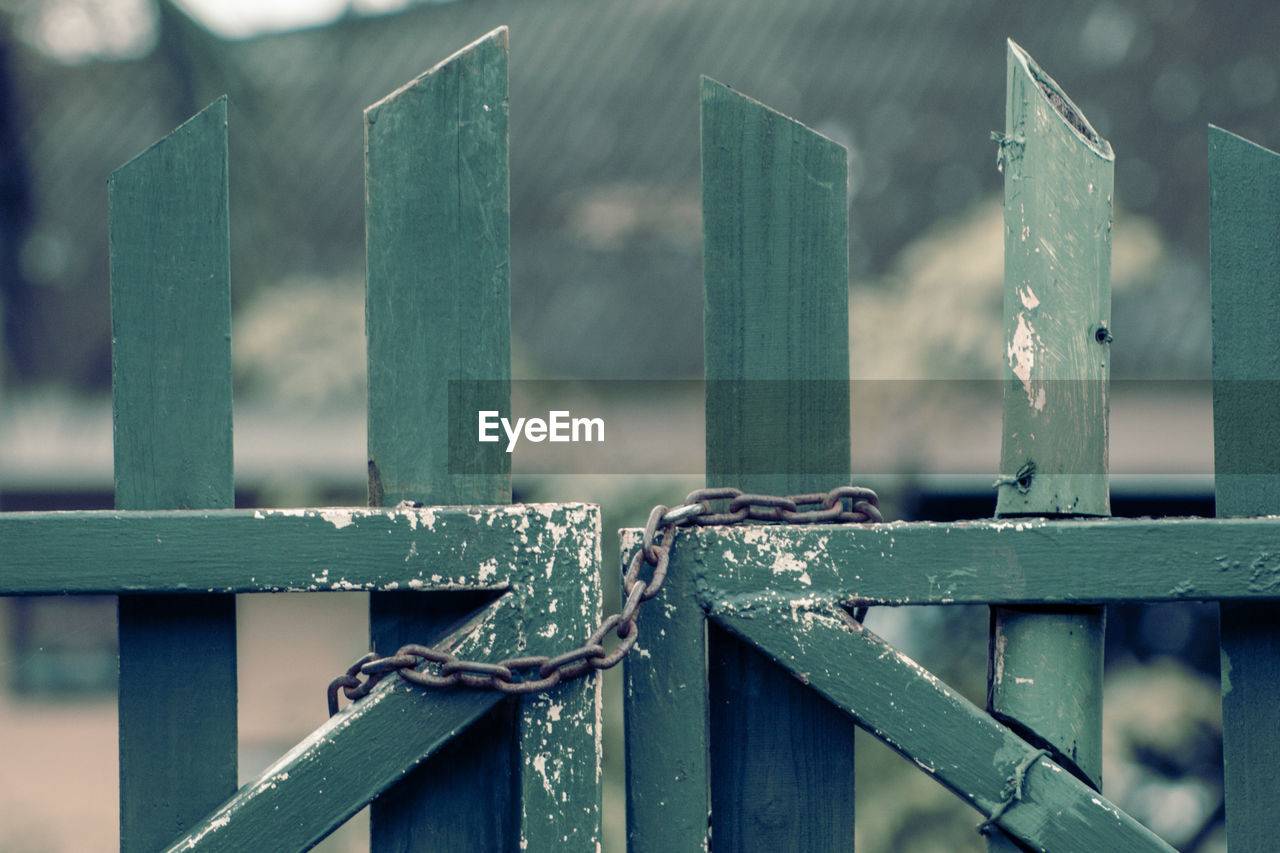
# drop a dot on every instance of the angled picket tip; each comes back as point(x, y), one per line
point(204, 122)
point(1221, 139)
point(1020, 62)
point(713, 92)
point(494, 42)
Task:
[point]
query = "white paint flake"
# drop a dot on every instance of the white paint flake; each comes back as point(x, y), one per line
point(339, 518)
point(540, 764)
point(1021, 353)
point(784, 562)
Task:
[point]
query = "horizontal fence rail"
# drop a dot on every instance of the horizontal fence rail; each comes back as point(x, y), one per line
point(1006, 561)
point(305, 550)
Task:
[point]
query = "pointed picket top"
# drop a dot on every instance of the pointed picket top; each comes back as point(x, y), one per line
point(437, 259)
point(712, 91)
point(437, 314)
point(170, 266)
point(776, 288)
point(494, 40)
point(775, 214)
point(1045, 672)
point(198, 126)
point(438, 326)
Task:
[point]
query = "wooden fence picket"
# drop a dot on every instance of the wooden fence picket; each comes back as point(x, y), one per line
point(437, 309)
point(1244, 265)
point(171, 381)
point(776, 331)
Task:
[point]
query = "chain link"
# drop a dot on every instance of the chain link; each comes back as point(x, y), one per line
point(534, 673)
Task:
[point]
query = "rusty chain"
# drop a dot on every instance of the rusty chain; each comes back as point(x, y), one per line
point(655, 551)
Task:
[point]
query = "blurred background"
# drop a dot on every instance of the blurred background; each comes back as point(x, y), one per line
point(606, 285)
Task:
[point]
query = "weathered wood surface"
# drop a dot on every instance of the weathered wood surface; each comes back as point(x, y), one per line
point(1058, 176)
point(899, 563)
point(438, 324)
point(775, 278)
point(291, 550)
point(437, 310)
point(438, 291)
point(1044, 675)
point(946, 736)
point(171, 387)
point(365, 749)
point(1244, 261)
point(1013, 561)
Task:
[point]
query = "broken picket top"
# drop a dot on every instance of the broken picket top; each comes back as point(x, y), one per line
point(530, 572)
point(789, 592)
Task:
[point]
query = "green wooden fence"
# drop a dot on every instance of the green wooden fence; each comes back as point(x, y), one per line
point(746, 681)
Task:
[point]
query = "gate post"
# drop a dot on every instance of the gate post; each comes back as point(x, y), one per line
point(1045, 667)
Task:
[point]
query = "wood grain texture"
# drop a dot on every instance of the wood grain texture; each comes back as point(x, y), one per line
point(171, 387)
point(1044, 675)
point(1244, 262)
point(438, 325)
point(438, 291)
point(775, 278)
point(437, 311)
point(943, 733)
point(900, 563)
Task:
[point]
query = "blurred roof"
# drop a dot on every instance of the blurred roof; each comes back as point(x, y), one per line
point(604, 150)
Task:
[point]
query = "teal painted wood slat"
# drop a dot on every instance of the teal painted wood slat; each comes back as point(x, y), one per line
point(1244, 262)
point(1026, 562)
point(437, 310)
point(439, 350)
point(418, 549)
point(438, 303)
point(171, 387)
point(1045, 672)
point(775, 277)
point(945, 735)
point(894, 564)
